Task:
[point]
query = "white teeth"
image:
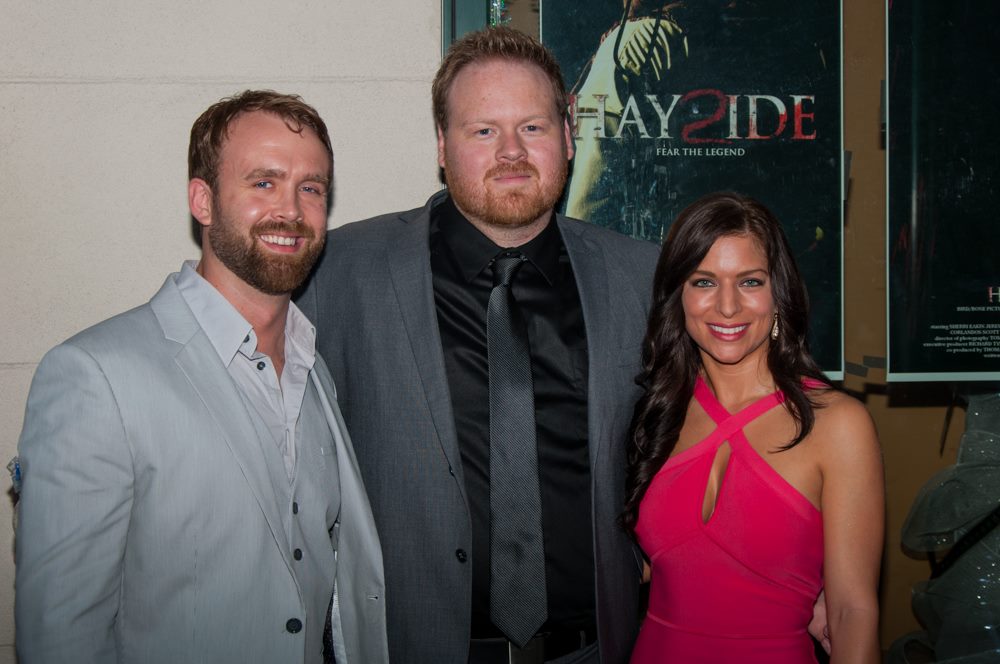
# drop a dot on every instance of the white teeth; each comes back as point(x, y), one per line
point(728, 330)
point(278, 239)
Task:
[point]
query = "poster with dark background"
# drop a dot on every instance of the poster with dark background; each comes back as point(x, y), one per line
point(944, 191)
point(739, 95)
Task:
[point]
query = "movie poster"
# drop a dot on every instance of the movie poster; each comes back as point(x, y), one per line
point(741, 95)
point(944, 191)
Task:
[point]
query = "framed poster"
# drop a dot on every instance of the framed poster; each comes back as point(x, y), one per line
point(671, 101)
point(671, 105)
point(943, 179)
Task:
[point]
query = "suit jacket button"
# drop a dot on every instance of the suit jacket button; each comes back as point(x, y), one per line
point(297, 554)
point(461, 555)
point(294, 625)
point(295, 508)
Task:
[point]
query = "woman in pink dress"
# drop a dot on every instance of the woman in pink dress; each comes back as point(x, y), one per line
point(752, 484)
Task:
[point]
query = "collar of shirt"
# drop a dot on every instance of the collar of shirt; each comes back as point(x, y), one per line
point(473, 251)
point(230, 333)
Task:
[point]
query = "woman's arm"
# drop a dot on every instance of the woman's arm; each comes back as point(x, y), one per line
point(853, 504)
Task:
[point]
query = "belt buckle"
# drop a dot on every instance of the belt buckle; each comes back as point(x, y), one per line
point(533, 652)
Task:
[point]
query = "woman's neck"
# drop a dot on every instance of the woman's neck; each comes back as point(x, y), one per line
point(736, 385)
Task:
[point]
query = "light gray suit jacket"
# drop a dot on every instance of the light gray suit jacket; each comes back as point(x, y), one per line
point(156, 525)
point(372, 301)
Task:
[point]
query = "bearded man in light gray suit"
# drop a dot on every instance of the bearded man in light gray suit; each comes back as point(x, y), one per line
point(400, 306)
point(190, 493)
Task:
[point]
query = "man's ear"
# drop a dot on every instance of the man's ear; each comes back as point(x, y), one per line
point(440, 133)
point(568, 138)
point(200, 201)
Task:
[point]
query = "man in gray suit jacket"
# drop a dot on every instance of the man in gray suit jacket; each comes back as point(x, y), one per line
point(190, 493)
point(400, 306)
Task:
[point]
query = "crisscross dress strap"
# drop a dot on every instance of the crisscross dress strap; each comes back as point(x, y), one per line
point(730, 423)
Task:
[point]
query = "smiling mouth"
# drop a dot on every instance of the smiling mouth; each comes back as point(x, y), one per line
point(729, 331)
point(279, 240)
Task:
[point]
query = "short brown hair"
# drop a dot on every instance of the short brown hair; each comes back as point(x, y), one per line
point(497, 43)
point(211, 129)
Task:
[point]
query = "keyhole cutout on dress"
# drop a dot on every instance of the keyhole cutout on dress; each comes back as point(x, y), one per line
point(716, 475)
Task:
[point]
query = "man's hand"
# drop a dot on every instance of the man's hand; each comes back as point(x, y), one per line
point(818, 626)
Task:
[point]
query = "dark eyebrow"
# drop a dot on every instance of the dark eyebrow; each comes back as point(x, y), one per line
point(745, 273)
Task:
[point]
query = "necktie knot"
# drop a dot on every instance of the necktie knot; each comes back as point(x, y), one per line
point(505, 265)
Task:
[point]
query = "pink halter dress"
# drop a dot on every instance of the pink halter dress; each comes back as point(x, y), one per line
point(740, 586)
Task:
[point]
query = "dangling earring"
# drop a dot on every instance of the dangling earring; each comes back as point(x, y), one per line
point(774, 328)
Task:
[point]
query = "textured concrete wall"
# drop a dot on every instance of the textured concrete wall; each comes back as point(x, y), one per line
point(96, 102)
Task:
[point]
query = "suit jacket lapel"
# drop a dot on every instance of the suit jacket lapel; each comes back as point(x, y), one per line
point(410, 270)
point(591, 272)
point(200, 363)
point(360, 581)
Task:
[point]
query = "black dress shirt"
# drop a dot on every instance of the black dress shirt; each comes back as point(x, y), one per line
point(544, 290)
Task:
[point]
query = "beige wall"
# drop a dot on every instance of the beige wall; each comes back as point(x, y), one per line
point(96, 101)
point(95, 104)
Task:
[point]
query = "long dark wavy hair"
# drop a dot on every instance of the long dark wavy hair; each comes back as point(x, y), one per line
point(670, 358)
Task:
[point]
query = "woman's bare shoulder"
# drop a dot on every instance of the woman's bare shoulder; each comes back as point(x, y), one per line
point(843, 424)
point(833, 401)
